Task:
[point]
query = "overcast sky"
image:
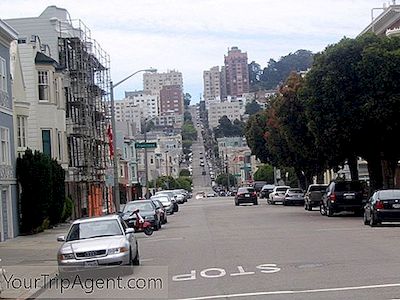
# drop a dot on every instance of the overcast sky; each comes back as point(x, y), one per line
point(193, 35)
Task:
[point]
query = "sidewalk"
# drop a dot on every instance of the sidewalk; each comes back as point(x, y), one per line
point(29, 256)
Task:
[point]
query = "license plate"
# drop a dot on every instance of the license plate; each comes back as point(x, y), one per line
point(349, 197)
point(247, 196)
point(397, 205)
point(93, 263)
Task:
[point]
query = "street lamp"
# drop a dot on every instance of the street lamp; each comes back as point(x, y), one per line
point(114, 134)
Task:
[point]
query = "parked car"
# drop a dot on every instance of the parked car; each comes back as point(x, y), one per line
point(166, 202)
point(277, 194)
point(383, 206)
point(200, 195)
point(147, 210)
point(294, 196)
point(342, 196)
point(97, 242)
point(161, 210)
point(266, 190)
point(172, 197)
point(258, 185)
point(313, 195)
point(211, 194)
point(246, 195)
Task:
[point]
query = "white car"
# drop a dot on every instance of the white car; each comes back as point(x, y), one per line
point(278, 194)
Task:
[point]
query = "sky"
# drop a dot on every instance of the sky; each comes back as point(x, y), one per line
point(193, 35)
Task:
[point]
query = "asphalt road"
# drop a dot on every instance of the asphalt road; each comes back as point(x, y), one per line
point(279, 252)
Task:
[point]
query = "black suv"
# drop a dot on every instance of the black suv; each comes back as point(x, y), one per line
point(343, 196)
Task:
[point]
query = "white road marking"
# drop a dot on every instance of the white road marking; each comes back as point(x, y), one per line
point(164, 239)
point(146, 259)
point(339, 229)
point(337, 289)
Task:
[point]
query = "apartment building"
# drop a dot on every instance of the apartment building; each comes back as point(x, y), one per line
point(8, 183)
point(146, 101)
point(212, 84)
point(67, 79)
point(171, 100)
point(233, 110)
point(236, 72)
point(154, 82)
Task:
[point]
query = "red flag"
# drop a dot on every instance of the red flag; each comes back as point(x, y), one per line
point(110, 141)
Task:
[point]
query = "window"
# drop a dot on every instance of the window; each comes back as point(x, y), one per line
point(46, 142)
point(21, 131)
point(57, 90)
point(3, 75)
point(5, 151)
point(43, 82)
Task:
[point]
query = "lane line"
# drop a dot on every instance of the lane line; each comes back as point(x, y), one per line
point(337, 289)
point(163, 239)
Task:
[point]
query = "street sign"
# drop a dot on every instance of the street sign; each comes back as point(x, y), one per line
point(146, 145)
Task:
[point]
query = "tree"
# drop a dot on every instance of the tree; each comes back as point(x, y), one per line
point(222, 179)
point(277, 71)
point(184, 172)
point(42, 191)
point(255, 129)
point(186, 100)
point(189, 132)
point(264, 173)
point(252, 108)
point(352, 96)
point(228, 129)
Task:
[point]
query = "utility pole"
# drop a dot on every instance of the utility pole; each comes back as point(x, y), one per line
point(146, 163)
point(116, 196)
point(227, 172)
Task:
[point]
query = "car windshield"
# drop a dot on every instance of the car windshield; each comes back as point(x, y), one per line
point(142, 206)
point(163, 200)
point(87, 230)
point(246, 190)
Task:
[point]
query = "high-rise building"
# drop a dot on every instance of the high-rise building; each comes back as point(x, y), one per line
point(233, 110)
point(237, 73)
point(212, 84)
point(154, 82)
point(171, 100)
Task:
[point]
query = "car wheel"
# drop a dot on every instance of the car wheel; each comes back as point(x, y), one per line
point(365, 218)
point(322, 209)
point(136, 260)
point(329, 211)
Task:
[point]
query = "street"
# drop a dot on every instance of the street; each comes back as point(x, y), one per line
point(270, 249)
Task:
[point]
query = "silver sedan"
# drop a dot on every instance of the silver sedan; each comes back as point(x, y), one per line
point(96, 243)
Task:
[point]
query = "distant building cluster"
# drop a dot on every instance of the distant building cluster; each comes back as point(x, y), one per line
point(227, 89)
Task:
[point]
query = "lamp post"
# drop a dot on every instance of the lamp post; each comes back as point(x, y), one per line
point(116, 195)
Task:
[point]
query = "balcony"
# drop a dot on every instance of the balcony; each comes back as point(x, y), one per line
point(393, 32)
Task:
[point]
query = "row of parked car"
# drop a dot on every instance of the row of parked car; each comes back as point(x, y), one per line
point(109, 241)
point(339, 196)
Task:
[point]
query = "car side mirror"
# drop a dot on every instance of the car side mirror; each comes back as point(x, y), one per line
point(129, 230)
point(61, 238)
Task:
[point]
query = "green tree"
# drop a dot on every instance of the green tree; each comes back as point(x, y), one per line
point(255, 130)
point(252, 108)
point(265, 173)
point(228, 129)
point(184, 172)
point(186, 100)
point(222, 179)
point(277, 71)
point(42, 191)
point(352, 96)
point(189, 132)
